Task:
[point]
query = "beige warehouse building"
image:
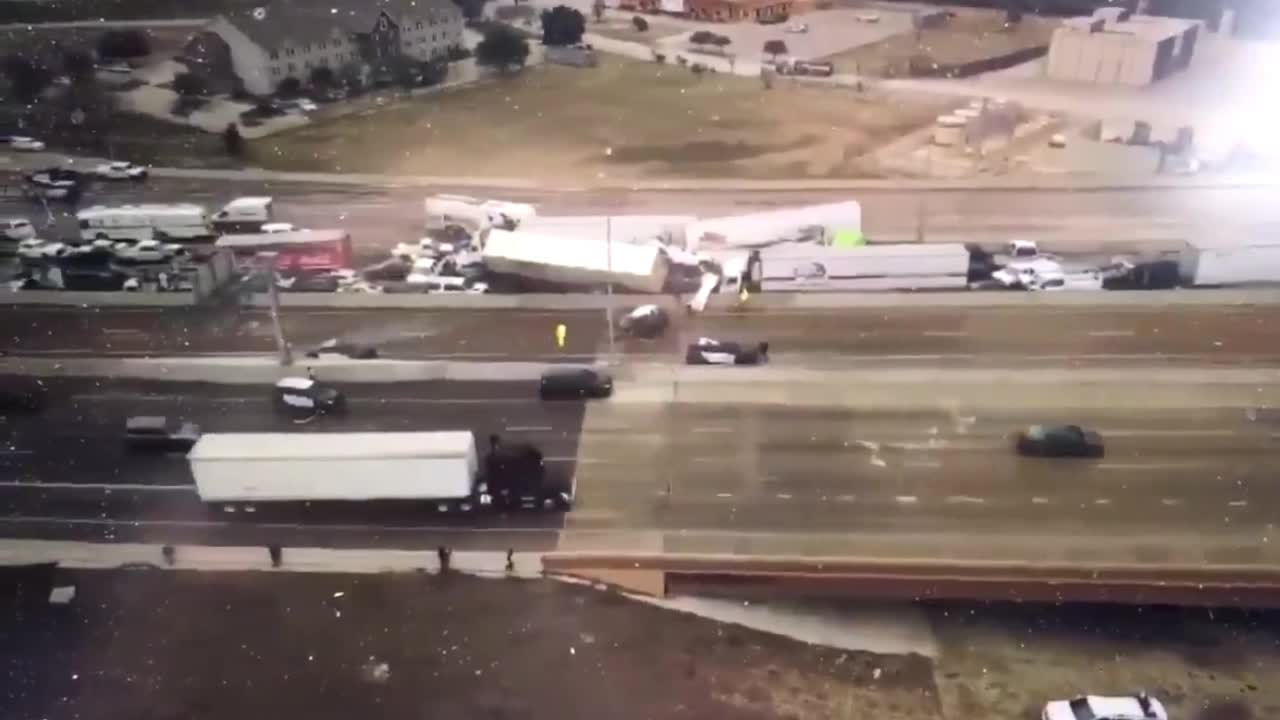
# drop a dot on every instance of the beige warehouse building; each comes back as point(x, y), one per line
point(1115, 48)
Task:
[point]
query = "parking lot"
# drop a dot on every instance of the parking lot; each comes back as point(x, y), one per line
point(828, 32)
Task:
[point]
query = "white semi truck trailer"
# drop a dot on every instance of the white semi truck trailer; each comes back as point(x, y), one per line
point(441, 469)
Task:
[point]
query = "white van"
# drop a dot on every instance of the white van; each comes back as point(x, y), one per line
point(244, 215)
point(180, 221)
point(17, 229)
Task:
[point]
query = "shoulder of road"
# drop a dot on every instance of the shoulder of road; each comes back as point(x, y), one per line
point(33, 161)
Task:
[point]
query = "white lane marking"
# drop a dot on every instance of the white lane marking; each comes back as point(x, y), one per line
point(705, 459)
point(1102, 501)
point(783, 496)
point(125, 487)
point(17, 452)
point(1238, 503)
point(713, 429)
point(529, 428)
point(923, 463)
point(1039, 501)
point(907, 499)
point(724, 495)
point(1111, 333)
point(1207, 432)
point(1170, 502)
point(964, 500)
point(846, 498)
point(1146, 466)
point(944, 333)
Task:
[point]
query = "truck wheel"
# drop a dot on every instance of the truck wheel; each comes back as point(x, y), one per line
point(465, 506)
point(548, 504)
point(442, 507)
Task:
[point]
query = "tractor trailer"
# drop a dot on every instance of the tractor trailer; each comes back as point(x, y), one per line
point(440, 469)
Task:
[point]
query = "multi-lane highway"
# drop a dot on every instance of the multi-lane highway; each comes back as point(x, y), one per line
point(1093, 221)
point(1198, 335)
point(710, 477)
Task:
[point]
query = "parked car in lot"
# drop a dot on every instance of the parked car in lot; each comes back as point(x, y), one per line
point(153, 433)
point(333, 346)
point(25, 144)
point(301, 395)
point(1059, 441)
point(120, 170)
point(646, 321)
point(709, 351)
point(17, 229)
point(1097, 707)
point(574, 382)
point(798, 28)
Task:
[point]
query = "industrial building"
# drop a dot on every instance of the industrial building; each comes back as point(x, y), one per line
point(1114, 47)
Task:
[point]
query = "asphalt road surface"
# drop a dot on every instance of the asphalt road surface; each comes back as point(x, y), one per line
point(1102, 221)
point(1014, 336)
point(733, 470)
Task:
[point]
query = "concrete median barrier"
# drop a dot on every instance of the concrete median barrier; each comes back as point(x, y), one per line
point(779, 301)
point(99, 299)
point(931, 578)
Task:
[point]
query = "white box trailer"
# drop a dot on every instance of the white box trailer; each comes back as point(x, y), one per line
point(177, 221)
point(1229, 260)
point(244, 214)
point(576, 261)
point(811, 267)
point(667, 229)
point(827, 224)
point(266, 467)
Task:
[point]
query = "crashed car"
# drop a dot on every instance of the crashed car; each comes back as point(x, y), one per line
point(708, 351)
point(120, 170)
point(646, 321)
point(333, 346)
point(159, 434)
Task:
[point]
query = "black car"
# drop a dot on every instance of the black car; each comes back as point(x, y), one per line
point(1059, 441)
point(159, 434)
point(646, 321)
point(21, 395)
point(707, 351)
point(356, 351)
point(574, 382)
point(304, 396)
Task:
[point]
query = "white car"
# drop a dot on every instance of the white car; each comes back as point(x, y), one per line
point(797, 28)
point(120, 171)
point(146, 251)
point(26, 144)
point(17, 229)
point(37, 249)
point(867, 17)
point(1098, 707)
point(277, 227)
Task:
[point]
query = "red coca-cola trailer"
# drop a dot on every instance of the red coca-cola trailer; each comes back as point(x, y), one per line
point(296, 250)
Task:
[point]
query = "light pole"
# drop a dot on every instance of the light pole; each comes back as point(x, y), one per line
point(267, 263)
point(608, 307)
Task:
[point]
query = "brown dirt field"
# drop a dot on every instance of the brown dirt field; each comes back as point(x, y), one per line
point(971, 35)
point(161, 645)
point(622, 120)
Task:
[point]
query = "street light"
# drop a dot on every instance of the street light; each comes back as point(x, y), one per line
point(608, 307)
point(267, 261)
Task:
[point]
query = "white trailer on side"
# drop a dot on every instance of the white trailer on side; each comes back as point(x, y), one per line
point(809, 267)
point(576, 261)
point(1229, 260)
point(666, 229)
point(455, 214)
point(441, 468)
point(244, 214)
point(828, 224)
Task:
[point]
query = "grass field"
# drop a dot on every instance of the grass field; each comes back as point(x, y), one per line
point(622, 120)
point(970, 35)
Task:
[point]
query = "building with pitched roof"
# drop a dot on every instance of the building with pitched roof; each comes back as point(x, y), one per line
point(256, 49)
